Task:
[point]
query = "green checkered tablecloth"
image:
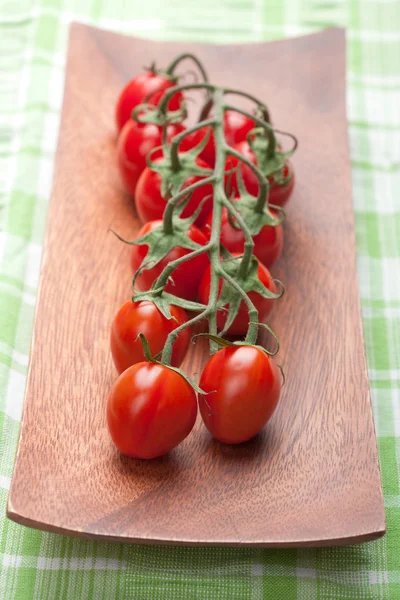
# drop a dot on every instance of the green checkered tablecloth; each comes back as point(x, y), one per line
point(33, 38)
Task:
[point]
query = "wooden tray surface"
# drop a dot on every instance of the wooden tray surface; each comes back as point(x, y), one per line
point(312, 477)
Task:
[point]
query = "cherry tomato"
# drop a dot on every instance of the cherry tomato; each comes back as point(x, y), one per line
point(278, 194)
point(150, 410)
point(134, 143)
point(241, 322)
point(144, 317)
point(186, 277)
point(244, 386)
point(146, 87)
point(268, 243)
point(236, 128)
point(208, 152)
point(150, 204)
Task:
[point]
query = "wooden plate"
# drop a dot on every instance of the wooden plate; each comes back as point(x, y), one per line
point(312, 478)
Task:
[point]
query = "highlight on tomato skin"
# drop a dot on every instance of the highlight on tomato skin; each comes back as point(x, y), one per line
point(151, 409)
point(187, 276)
point(243, 387)
point(144, 317)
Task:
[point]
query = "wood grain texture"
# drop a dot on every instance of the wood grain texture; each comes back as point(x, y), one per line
point(312, 477)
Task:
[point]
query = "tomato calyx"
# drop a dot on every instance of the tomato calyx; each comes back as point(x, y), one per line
point(253, 218)
point(271, 160)
point(236, 286)
point(249, 281)
point(163, 301)
point(175, 167)
point(154, 70)
point(162, 240)
point(153, 359)
point(255, 212)
point(224, 343)
point(284, 176)
point(147, 113)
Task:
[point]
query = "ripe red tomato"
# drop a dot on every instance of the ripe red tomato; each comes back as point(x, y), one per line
point(236, 128)
point(208, 152)
point(268, 243)
point(134, 143)
point(241, 322)
point(244, 386)
point(186, 277)
point(144, 317)
point(146, 87)
point(150, 410)
point(150, 204)
point(278, 194)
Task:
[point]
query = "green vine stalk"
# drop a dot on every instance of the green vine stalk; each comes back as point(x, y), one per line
point(175, 168)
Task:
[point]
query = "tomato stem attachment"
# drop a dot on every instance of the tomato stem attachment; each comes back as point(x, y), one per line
point(172, 202)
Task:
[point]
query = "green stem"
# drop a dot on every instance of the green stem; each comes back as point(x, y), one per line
point(205, 111)
point(293, 137)
point(162, 280)
point(171, 68)
point(269, 130)
point(167, 351)
point(235, 213)
point(172, 202)
point(263, 192)
point(245, 262)
point(162, 107)
point(249, 243)
point(252, 331)
point(265, 114)
point(164, 140)
point(261, 202)
point(256, 101)
point(214, 245)
point(219, 199)
point(174, 148)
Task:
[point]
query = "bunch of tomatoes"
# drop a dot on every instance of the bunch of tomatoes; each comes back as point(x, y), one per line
point(210, 197)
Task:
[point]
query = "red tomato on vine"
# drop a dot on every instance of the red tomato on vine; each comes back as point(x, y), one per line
point(279, 193)
point(144, 317)
point(241, 322)
point(150, 410)
point(186, 277)
point(243, 385)
point(135, 141)
point(150, 203)
point(146, 87)
point(268, 243)
point(236, 128)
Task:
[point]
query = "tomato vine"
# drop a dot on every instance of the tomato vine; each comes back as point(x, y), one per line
point(249, 213)
point(188, 257)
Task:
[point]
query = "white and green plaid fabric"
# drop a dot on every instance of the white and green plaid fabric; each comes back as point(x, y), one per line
point(33, 38)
